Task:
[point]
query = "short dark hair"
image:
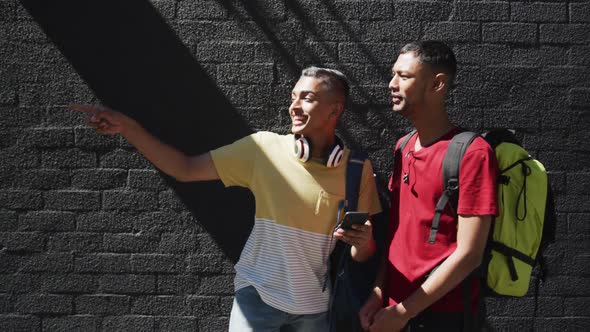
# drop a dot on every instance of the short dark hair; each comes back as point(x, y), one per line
point(332, 78)
point(436, 54)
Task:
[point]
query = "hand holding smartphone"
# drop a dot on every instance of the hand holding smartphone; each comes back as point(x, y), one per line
point(353, 218)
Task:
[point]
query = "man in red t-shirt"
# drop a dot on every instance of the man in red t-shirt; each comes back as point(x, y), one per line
point(421, 284)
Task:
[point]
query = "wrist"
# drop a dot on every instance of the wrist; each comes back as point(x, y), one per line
point(361, 253)
point(129, 126)
point(404, 311)
point(367, 247)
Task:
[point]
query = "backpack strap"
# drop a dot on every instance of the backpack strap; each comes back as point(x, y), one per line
point(397, 157)
point(450, 177)
point(403, 144)
point(354, 171)
point(340, 258)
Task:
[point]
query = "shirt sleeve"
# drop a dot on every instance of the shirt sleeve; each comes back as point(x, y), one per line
point(235, 162)
point(368, 197)
point(477, 181)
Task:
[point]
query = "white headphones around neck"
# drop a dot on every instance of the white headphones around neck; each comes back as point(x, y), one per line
point(302, 151)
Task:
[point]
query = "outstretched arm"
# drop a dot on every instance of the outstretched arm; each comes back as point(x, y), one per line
point(165, 157)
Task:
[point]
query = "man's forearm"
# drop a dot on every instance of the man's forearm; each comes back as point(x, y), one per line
point(444, 279)
point(166, 158)
point(381, 273)
point(472, 233)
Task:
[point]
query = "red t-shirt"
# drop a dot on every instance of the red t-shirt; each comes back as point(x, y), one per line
point(411, 257)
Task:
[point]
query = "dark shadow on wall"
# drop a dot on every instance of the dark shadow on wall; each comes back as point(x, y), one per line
point(253, 13)
point(133, 62)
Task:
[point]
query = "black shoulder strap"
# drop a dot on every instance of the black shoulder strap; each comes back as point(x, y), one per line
point(450, 177)
point(397, 154)
point(354, 171)
point(405, 142)
point(342, 297)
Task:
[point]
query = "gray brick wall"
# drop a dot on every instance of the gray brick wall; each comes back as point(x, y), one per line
point(91, 237)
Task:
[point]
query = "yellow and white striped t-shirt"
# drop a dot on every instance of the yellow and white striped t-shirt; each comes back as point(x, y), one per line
point(296, 206)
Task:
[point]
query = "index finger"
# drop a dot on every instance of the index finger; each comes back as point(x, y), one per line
point(364, 227)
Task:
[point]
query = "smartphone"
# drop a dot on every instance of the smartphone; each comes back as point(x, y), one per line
point(353, 218)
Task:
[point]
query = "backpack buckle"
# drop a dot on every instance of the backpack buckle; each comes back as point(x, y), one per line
point(503, 179)
point(453, 184)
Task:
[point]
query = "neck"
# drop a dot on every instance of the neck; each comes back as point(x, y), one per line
point(320, 143)
point(431, 125)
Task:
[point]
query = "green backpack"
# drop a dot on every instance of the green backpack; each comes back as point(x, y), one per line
point(526, 221)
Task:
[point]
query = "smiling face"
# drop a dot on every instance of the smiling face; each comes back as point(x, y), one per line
point(409, 83)
point(314, 109)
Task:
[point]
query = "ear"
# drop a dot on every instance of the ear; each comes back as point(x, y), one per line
point(440, 82)
point(337, 110)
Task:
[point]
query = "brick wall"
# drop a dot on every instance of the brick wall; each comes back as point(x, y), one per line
point(92, 238)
